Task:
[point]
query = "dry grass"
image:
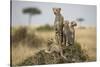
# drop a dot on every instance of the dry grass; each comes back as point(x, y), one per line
point(20, 53)
point(86, 37)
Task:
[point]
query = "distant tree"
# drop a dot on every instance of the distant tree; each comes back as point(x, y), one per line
point(31, 11)
point(80, 20)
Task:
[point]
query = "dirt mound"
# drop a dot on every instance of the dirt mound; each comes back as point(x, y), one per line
point(73, 54)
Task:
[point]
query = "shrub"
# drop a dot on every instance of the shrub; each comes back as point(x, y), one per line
point(46, 27)
point(19, 34)
point(22, 36)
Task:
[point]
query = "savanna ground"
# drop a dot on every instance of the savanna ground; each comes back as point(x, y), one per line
point(26, 45)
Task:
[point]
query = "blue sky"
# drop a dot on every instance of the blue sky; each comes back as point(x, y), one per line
point(69, 11)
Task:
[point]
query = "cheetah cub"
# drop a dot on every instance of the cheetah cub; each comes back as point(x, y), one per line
point(53, 47)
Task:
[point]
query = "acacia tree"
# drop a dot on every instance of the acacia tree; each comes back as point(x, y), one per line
point(80, 20)
point(31, 11)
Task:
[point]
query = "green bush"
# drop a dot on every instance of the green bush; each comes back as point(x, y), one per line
point(46, 27)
